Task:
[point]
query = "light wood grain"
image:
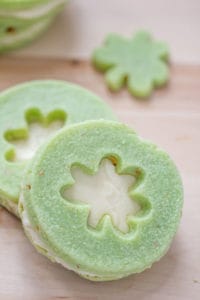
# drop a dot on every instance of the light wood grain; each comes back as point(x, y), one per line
point(171, 118)
point(84, 24)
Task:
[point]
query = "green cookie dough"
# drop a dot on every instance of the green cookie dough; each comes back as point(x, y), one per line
point(40, 102)
point(138, 62)
point(21, 4)
point(16, 36)
point(22, 21)
point(59, 227)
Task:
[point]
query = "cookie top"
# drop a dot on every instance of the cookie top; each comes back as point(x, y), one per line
point(43, 102)
point(14, 35)
point(139, 62)
point(33, 10)
point(58, 220)
point(22, 4)
point(20, 24)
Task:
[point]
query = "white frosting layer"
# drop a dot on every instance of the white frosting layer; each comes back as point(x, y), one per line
point(25, 35)
point(25, 149)
point(34, 12)
point(106, 192)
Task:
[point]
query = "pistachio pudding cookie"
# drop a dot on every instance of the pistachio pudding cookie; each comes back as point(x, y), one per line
point(21, 21)
point(29, 114)
point(101, 201)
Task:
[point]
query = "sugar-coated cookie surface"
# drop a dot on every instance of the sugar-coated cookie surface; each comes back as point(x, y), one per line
point(35, 104)
point(139, 62)
point(59, 225)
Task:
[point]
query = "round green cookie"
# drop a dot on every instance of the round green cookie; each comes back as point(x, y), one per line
point(25, 7)
point(59, 226)
point(22, 21)
point(21, 4)
point(19, 34)
point(41, 102)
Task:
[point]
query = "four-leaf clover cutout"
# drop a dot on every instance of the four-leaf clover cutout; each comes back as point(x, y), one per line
point(37, 130)
point(106, 193)
point(140, 62)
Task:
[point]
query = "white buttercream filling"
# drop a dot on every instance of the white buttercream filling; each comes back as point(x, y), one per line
point(34, 12)
point(21, 36)
point(26, 148)
point(106, 192)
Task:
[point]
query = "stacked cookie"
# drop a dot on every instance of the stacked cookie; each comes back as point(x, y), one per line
point(93, 196)
point(21, 21)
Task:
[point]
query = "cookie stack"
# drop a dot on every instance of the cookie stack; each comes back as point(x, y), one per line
point(21, 21)
point(93, 196)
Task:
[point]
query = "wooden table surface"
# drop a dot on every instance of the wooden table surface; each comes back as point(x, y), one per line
point(171, 118)
point(83, 25)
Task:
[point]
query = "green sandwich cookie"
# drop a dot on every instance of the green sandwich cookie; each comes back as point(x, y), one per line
point(139, 62)
point(29, 114)
point(101, 201)
point(22, 21)
point(12, 38)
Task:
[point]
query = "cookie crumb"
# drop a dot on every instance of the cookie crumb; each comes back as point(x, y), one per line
point(41, 173)
point(195, 281)
point(28, 187)
point(10, 29)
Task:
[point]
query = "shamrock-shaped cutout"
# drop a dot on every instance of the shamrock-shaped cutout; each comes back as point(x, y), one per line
point(140, 62)
point(106, 192)
point(38, 129)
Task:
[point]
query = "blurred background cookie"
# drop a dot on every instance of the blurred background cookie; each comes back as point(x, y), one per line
point(22, 21)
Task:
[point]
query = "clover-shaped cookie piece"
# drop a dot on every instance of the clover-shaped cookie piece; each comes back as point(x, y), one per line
point(140, 62)
point(29, 113)
point(101, 201)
